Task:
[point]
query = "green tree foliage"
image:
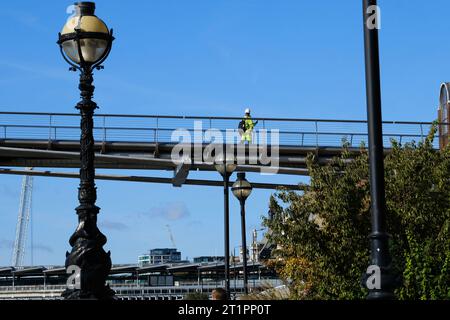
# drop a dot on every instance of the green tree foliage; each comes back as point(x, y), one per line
point(196, 296)
point(322, 233)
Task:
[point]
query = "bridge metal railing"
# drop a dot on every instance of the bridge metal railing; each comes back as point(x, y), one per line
point(127, 290)
point(159, 129)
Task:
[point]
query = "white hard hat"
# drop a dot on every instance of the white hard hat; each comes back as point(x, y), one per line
point(247, 110)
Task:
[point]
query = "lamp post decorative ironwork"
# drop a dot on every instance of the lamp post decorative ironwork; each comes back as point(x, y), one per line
point(383, 287)
point(225, 165)
point(85, 43)
point(242, 190)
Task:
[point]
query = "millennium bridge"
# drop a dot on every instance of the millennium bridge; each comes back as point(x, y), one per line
point(146, 142)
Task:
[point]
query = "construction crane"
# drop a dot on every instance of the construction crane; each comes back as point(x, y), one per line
point(171, 236)
point(23, 220)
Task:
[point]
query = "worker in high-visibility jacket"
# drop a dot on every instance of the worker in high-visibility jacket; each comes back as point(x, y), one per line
point(247, 127)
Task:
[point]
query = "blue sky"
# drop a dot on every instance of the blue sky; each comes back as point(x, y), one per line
point(285, 58)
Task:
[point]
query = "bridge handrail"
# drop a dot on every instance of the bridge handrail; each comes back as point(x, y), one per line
point(218, 118)
point(310, 132)
point(134, 286)
point(203, 130)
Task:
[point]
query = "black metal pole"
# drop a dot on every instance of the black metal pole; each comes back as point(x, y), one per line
point(234, 271)
point(87, 254)
point(244, 246)
point(379, 238)
point(226, 178)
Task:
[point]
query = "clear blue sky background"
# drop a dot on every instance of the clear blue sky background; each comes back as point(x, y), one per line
point(283, 58)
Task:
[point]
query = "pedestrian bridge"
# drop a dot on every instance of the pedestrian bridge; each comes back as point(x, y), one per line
point(146, 142)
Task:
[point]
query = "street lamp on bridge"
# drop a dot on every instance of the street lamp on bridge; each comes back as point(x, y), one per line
point(85, 43)
point(242, 190)
point(225, 165)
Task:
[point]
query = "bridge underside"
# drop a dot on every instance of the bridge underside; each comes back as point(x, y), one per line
point(156, 156)
point(289, 160)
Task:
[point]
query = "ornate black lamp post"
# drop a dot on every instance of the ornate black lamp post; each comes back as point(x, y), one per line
point(383, 287)
point(242, 190)
point(85, 43)
point(225, 166)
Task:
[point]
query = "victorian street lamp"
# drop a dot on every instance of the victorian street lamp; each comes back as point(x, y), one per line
point(85, 43)
point(242, 190)
point(225, 166)
point(383, 287)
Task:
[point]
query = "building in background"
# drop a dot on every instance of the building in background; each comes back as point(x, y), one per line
point(160, 255)
point(204, 259)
